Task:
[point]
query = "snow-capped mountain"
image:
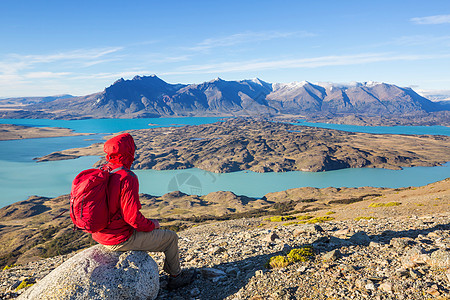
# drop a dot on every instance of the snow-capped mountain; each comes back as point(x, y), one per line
point(150, 96)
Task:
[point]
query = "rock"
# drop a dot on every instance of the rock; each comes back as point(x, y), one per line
point(440, 259)
point(386, 287)
point(370, 286)
point(212, 273)
point(332, 255)
point(447, 273)
point(434, 292)
point(285, 248)
point(308, 228)
point(402, 272)
point(217, 250)
point(271, 237)
point(97, 273)
point(346, 268)
point(361, 282)
point(360, 238)
point(343, 232)
point(399, 243)
point(414, 256)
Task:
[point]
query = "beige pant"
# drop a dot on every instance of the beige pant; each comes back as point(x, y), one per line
point(158, 240)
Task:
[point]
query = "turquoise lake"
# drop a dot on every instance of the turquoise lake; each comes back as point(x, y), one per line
point(21, 177)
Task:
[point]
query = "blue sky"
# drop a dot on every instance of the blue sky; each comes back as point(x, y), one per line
point(81, 47)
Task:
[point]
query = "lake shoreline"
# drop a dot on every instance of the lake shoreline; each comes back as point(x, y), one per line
point(19, 156)
point(18, 132)
point(264, 147)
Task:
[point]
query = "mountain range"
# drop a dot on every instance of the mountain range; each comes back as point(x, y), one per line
point(150, 96)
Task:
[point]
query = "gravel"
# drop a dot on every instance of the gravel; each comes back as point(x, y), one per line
point(390, 258)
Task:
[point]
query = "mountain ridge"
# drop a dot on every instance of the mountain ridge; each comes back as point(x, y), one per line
point(150, 96)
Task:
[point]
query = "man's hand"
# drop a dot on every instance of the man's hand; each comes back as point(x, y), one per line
point(157, 226)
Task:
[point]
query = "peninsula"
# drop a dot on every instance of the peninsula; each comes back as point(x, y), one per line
point(18, 132)
point(264, 146)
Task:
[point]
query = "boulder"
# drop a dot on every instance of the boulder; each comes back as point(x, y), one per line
point(360, 238)
point(98, 273)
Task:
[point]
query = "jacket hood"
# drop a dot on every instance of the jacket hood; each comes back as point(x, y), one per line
point(120, 150)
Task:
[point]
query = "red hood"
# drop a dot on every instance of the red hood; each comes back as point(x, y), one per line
point(120, 150)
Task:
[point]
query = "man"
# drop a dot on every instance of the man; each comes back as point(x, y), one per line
point(128, 228)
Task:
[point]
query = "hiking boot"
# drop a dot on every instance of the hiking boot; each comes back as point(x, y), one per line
point(181, 280)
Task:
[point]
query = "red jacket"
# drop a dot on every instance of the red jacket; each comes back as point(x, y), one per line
point(123, 188)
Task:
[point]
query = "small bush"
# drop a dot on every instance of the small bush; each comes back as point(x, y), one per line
point(305, 217)
point(24, 284)
point(317, 220)
point(364, 218)
point(295, 255)
point(292, 223)
point(301, 254)
point(278, 262)
point(384, 204)
point(9, 267)
point(280, 218)
point(330, 213)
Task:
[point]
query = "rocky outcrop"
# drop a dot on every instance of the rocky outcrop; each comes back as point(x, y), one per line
point(97, 273)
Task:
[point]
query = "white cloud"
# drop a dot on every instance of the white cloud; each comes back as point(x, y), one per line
point(114, 76)
point(314, 62)
point(421, 40)
point(40, 75)
point(14, 63)
point(432, 20)
point(246, 37)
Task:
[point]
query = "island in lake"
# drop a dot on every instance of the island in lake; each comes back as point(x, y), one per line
point(265, 146)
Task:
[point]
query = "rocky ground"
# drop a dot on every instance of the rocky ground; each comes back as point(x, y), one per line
point(441, 118)
point(390, 258)
point(263, 146)
point(390, 245)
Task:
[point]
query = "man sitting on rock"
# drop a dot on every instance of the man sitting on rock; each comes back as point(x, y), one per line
point(128, 228)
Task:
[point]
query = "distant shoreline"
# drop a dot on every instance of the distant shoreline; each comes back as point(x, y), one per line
point(19, 132)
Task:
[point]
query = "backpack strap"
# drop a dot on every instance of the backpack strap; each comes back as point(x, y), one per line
point(118, 169)
point(123, 168)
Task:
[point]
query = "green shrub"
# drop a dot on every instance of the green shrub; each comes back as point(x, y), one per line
point(330, 213)
point(317, 220)
point(384, 204)
point(305, 217)
point(364, 218)
point(278, 262)
point(301, 254)
point(295, 255)
point(24, 284)
point(280, 218)
point(9, 267)
point(292, 223)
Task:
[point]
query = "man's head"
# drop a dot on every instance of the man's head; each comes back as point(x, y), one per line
point(120, 149)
